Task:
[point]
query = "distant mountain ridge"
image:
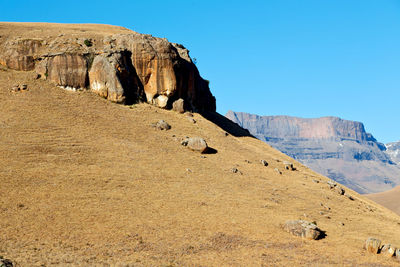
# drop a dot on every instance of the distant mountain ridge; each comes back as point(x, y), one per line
point(338, 148)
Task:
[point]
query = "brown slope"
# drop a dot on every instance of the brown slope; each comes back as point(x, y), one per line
point(389, 199)
point(85, 181)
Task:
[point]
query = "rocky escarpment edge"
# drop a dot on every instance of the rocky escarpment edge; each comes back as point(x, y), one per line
point(123, 68)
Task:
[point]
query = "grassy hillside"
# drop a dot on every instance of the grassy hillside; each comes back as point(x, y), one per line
point(389, 199)
point(85, 181)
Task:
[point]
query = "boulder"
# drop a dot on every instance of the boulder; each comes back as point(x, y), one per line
point(388, 250)
point(397, 254)
point(373, 245)
point(197, 144)
point(162, 125)
point(178, 105)
point(264, 162)
point(303, 229)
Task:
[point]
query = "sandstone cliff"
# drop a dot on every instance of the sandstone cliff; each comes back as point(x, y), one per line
point(116, 63)
point(337, 148)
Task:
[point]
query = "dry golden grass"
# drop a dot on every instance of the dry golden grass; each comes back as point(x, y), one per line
point(389, 199)
point(85, 182)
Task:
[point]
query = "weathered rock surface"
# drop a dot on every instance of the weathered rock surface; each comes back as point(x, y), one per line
point(388, 250)
point(337, 148)
point(393, 149)
point(122, 67)
point(196, 144)
point(302, 228)
point(162, 125)
point(373, 245)
point(179, 105)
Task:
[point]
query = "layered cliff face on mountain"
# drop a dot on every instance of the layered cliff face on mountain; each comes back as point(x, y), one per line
point(337, 148)
point(116, 63)
point(87, 182)
point(393, 149)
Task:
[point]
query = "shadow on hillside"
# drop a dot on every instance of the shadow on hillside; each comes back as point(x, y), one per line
point(210, 150)
point(226, 124)
point(322, 235)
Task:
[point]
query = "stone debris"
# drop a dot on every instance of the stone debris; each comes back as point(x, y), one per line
point(235, 170)
point(373, 245)
point(264, 162)
point(277, 171)
point(289, 166)
point(179, 105)
point(161, 125)
point(339, 190)
point(303, 229)
point(17, 88)
point(388, 250)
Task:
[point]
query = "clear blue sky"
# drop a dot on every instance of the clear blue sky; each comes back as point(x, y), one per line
point(306, 58)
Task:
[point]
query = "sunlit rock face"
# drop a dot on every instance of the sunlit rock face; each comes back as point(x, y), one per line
point(122, 67)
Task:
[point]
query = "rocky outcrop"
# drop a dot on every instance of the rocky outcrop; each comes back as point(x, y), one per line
point(337, 148)
point(122, 67)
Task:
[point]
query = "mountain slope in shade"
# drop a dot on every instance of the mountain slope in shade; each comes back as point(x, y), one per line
point(337, 148)
point(389, 199)
point(393, 149)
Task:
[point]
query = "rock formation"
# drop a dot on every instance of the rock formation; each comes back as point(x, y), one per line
point(393, 149)
point(337, 148)
point(118, 64)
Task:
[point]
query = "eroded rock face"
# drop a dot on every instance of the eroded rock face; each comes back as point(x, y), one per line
point(67, 70)
point(18, 54)
point(123, 67)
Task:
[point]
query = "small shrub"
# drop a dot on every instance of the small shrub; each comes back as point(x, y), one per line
point(88, 43)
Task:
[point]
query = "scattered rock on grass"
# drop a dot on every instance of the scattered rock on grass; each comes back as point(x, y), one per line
point(373, 245)
point(339, 190)
point(235, 170)
point(161, 125)
point(289, 166)
point(195, 144)
point(178, 105)
point(388, 251)
point(303, 229)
